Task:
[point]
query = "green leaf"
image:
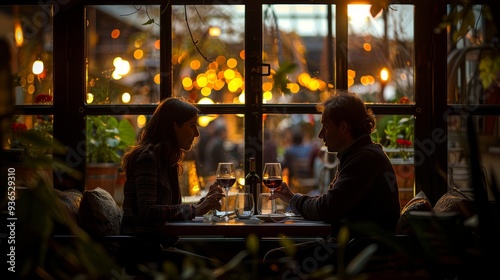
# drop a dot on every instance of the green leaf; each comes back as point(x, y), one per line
point(150, 21)
point(126, 132)
point(253, 244)
point(343, 236)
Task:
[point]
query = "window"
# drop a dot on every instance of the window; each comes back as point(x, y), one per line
point(254, 68)
point(123, 54)
point(473, 93)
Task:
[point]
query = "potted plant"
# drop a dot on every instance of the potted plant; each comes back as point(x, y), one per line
point(107, 140)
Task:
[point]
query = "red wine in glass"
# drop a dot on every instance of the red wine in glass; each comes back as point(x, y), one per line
point(226, 183)
point(271, 177)
point(272, 183)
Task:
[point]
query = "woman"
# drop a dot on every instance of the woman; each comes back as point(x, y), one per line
point(152, 194)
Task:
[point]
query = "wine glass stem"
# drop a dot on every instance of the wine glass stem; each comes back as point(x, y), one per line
point(227, 203)
point(273, 204)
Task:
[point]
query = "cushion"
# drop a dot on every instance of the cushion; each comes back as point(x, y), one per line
point(418, 203)
point(455, 201)
point(99, 213)
point(69, 200)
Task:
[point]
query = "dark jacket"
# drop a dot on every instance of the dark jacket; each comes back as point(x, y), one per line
point(363, 190)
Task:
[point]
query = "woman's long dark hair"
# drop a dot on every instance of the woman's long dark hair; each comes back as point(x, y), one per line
point(158, 136)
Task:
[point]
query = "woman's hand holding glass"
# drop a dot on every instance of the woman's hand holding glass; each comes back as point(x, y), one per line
point(211, 201)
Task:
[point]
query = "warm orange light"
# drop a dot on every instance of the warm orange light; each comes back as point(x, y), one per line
point(219, 84)
point(234, 84)
point(214, 31)
point(175, 59)
point(367, 47)
point(232, 63)
point(31, 89)
point(363, 80)
point(206, 91)
point(195, 64)
point(304, 79)
point(37, 67)
point(241, 97)
point(384, 74)
point(211, 76)
point(267, 96)
point(141, 121)
point(313, 84)
point(138, 54)
point(90, 98)
point(157, 44)
point(115, 33)
point(201, 80)
point(221, 60)
point(294, 87)
point(351, 73)
point(229, 74)
point(126, 97)
point(18, 34)
point(267, 86)
point(213, 65)
point(187, 82)
point(138, 43)
point(350, 81)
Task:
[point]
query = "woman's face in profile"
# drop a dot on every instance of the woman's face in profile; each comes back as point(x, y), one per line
point(186, 133)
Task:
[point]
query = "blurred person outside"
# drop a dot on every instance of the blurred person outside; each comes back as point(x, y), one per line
point(270, 148)
point(297, 159)
point(215, 150)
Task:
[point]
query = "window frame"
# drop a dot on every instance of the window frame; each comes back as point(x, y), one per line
point(430, 107)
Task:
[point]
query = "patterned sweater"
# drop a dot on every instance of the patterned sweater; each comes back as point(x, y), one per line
point(152, 197)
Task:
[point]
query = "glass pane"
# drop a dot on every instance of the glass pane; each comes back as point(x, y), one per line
point(208, 55)
point(108, 138)
point(292, 140)
point(28, 31)
point(32, 136)
point(396, 134)
point(473, 61)
point(123, 47)
point(381, 53)
point(221, 140)
point(29, 145)
point(487, 133)
point(295, 45)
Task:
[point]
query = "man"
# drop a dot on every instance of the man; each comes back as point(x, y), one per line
point(364, 189)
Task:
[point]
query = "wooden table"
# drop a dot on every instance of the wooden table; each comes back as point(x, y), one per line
point(293, 227)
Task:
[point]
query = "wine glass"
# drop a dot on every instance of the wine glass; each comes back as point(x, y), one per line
point(244, 205)
point(226, 178)
point(264, 204)
point(271, 177)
